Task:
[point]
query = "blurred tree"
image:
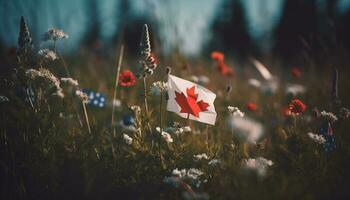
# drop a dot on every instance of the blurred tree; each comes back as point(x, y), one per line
point(130, 28)
point(297, 28)
point(343, 30)
point(92, 36)
point(230, 32)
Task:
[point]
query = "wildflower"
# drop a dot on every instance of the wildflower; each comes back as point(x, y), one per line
point(199, 157)
point(25, 42)
point(296, 107)
point(179, 173)
point(235, 112)
point(128, 120)
point(148, 60)
point(329, 116)
point(217, 56)
point(136, 109)
point(47, 54)
point(316, 113)
point(214, 162)
point(167, 137)
point(251, 106)
point(70, 81)
point(186, 129)
point(224, 69)
point(59, 93)
point(158, 87)
point(117, 103)
point(259, 164)
point(254, 83)
point(247, 128)
point(3, 99)
point(295, 89)
point(296, 72)
point(127, 139)
point(54, 34)
point(49, 81)
point(319, 139)
point(270, 86)
point(191, 173)
point(344, 113)
point(194, 78)
point(127, 78)
point(194, 173)
point(33, 73)
point(127, 123)
point(82, 96)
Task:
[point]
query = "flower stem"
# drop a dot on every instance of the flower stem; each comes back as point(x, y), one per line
point(160, 110)
point(145, 95)
point(86, 118)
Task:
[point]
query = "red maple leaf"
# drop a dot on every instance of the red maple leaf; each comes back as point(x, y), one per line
point(189, 104)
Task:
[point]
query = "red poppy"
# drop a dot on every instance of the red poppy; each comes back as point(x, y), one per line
point(286, 111)
point(224, 69)
point(251, 106)
point(217, 56)
point(127, 78)
point(296, 107)
point(296, 72)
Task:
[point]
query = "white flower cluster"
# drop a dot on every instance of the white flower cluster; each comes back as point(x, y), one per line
point(200, 157)
point(70, 81)
point(158, 87)
point(82, 96)
point(54, 34)
point(127, 139)
point(136, 109)
point(191, 173)
point(47, 54)
point(166, 136)
point(235, 112)
point(200, 79)
point(117, 103)
point(295, 89)
point(50, 80)
point(319, 139)
point(329, 116)
point(179, 177)
point(3, 99)
point(214, 162)
point(259, 164)
point(246, 128)
point(179, 130)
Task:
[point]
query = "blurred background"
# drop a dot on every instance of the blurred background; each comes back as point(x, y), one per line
point(192, 27)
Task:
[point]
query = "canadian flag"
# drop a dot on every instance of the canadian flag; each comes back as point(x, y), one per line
point(190, 100)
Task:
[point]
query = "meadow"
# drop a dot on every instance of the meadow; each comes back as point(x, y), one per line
point(280, 131)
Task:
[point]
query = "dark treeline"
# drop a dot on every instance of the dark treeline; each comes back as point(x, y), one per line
point(303, 28)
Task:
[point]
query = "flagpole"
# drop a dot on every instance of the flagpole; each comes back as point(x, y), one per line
point(206, 136)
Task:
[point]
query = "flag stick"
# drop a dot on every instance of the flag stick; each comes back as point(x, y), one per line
point(206, 136)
